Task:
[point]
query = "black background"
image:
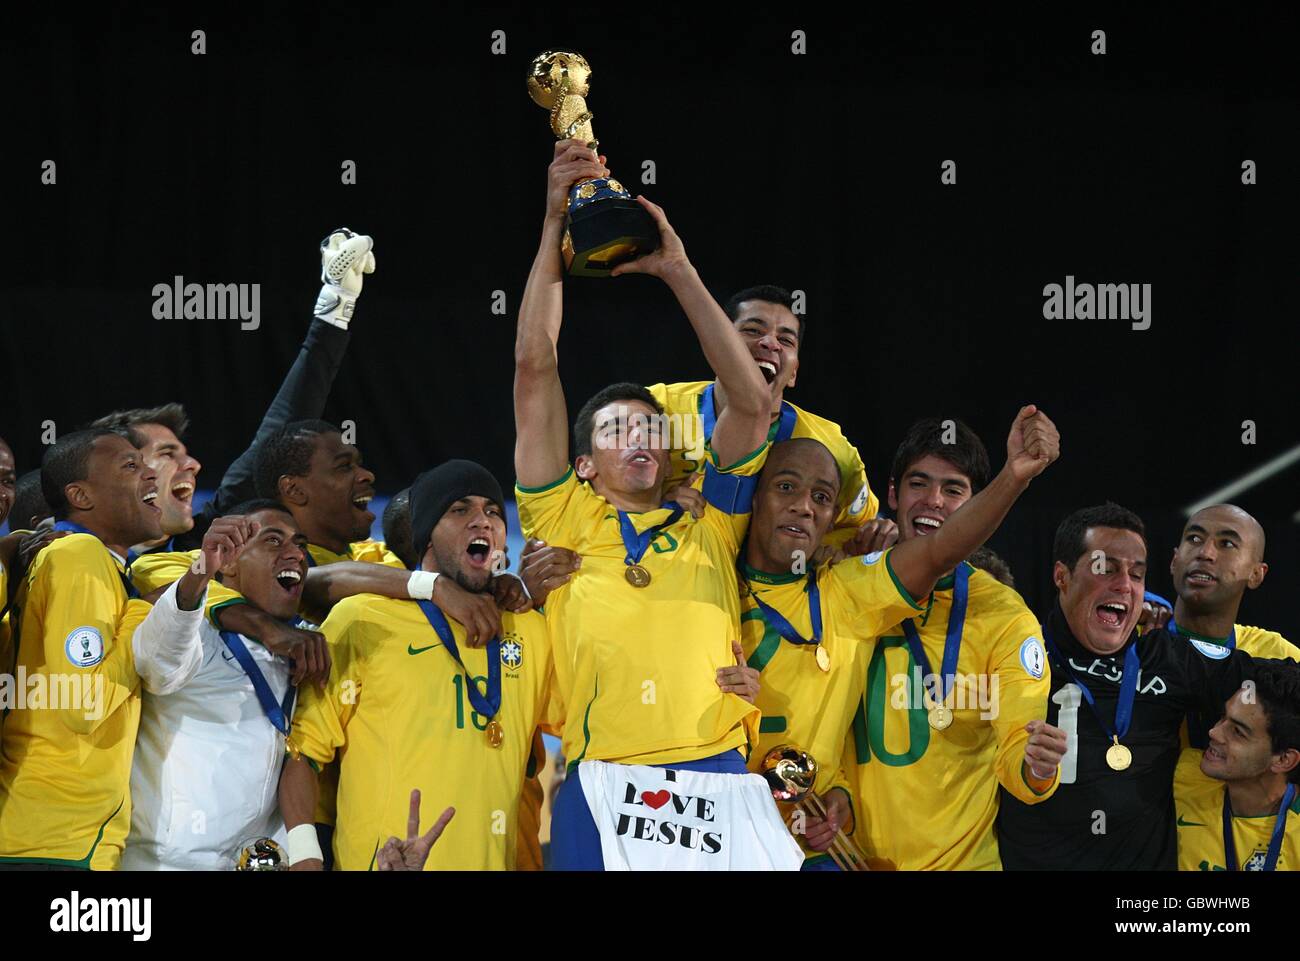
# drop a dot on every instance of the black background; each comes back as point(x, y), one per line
point(819, 172)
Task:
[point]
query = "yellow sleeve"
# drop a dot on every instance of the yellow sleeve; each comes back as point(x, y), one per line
point(1021, 698)
point(542, 509)
point(874, 599)
point(858, 502)
point(729, 494)
point(376, 552)
point(152, 571)
point(321, 719)
point(85, 628)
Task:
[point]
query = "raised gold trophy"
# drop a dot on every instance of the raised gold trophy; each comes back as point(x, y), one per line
point(791, 774)
point(605, 227)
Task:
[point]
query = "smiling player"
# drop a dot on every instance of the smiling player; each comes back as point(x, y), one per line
point(1121, 698)
point(812, 635)
point(65, 763)
point(773, 334)
point(1247, 777)
point(237, 707)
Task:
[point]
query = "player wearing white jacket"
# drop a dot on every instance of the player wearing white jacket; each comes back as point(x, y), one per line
point(207, 761)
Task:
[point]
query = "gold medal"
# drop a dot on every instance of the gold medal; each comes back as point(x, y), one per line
point(1118, 756)
point(291, 749)
point(823, 659)
point(496, 737)
point(940, 717)
point(637, 575)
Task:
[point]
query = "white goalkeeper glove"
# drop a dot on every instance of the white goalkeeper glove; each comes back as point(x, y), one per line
point(344, 257)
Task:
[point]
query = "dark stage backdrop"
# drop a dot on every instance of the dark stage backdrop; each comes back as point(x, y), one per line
point(819, 171)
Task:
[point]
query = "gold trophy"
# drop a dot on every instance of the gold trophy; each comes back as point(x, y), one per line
point(791, 774)
point(605, 227)
point(262, 855)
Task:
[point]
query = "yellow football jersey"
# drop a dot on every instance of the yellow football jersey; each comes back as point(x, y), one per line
point(6, 637)
point(397, 713)
point(927, 799)
point(65, 758)
point(635, 667)
point(1199, 802)
point(528, 855)
point(684, 404)
point(802, 704)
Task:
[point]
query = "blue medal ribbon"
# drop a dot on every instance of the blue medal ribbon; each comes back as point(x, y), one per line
point(1274, 843)
point(488, 705)
point(784, 627)
point(637, 544)
point(1127, 688)
point(74, 528)
point(952, 637)
point(709, 418)
point(277, 712)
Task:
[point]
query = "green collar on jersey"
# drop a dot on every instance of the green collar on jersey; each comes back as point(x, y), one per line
point(762, 577)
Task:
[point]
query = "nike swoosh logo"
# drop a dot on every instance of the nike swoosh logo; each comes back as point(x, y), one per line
point(421, 650)
point(1189, 824)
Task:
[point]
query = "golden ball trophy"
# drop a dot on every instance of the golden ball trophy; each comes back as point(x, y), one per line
point(791, 774)
point(605, 226)
point(262, 855)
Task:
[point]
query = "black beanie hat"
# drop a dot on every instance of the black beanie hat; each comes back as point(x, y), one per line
point(436, 490)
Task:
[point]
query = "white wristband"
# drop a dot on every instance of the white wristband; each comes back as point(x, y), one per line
point(420, 585)
point(303, 844)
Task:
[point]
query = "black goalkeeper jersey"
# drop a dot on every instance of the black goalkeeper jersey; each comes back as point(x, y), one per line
point(1105, 820)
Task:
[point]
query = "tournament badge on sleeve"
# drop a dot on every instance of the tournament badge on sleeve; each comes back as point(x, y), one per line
point(652, 819)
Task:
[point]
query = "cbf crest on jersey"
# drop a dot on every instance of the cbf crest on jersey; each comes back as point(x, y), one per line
point(512, 652)
point(84, 647)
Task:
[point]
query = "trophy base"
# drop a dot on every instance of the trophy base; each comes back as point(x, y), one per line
point(602, 235)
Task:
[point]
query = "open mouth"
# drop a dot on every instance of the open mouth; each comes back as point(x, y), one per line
point(360, 502)
point(793, 530)
point(1214, 754)
point(1112, 613)
point(150, 498)
point(289, 579)
point(1200, 578)
point(183, 491)
point(640, 459)
point(925, 524)
point(479, 551)
point(769, 370)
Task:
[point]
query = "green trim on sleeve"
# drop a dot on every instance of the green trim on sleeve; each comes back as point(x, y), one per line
point(1024, 776)
point(218, 608)
point(586, 729)
point(775, 724)
point(903, 591)
point(545, 487)
point(713, 458)
point(82, 864)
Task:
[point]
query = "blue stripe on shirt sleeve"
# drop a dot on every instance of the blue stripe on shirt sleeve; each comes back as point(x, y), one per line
point(729, 493)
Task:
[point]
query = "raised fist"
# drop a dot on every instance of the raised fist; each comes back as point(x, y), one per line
point(345, 257)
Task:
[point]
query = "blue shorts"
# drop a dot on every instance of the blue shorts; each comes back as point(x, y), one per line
point(575, 841)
